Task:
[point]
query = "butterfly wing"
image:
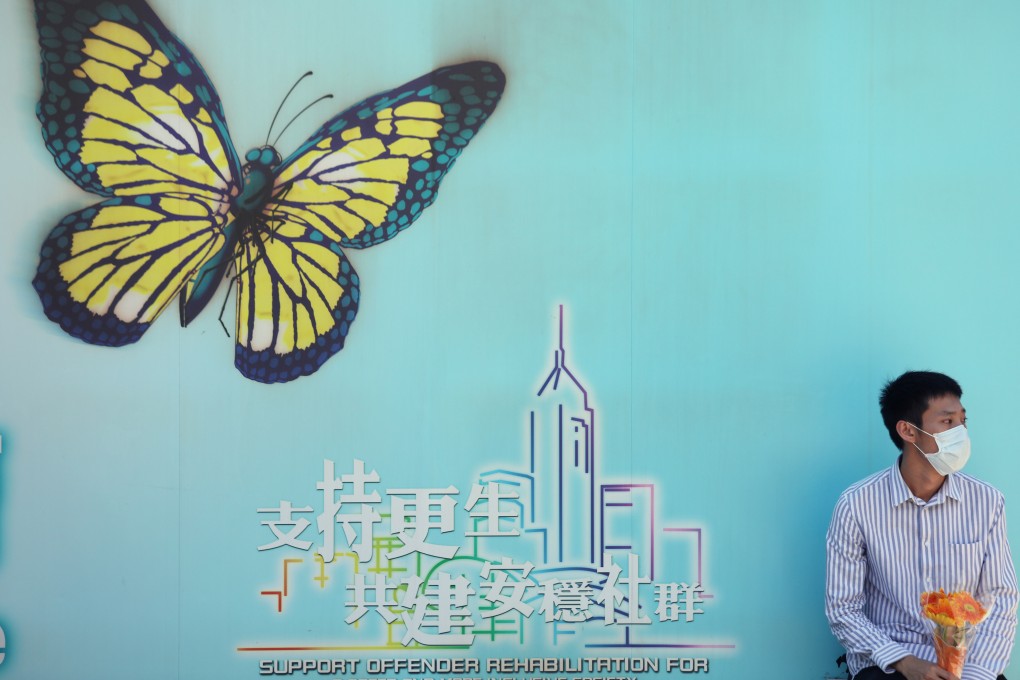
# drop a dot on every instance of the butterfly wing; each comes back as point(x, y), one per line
point(363, 177)
point(367, 174)
point(297, 295)
point(127, 113)
point(106, 272)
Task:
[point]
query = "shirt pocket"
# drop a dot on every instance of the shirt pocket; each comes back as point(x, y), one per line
point(960, 567)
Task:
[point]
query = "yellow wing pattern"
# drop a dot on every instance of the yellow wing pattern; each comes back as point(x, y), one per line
point(128, 113)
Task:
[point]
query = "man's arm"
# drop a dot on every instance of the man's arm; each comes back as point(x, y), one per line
point(846, 569)
point(989, 653)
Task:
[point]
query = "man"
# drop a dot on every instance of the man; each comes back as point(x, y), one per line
point(918, 526)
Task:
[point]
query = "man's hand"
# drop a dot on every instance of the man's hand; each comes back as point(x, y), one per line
point(913, 668)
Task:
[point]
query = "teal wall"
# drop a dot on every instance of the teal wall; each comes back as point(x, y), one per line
point(754, 213)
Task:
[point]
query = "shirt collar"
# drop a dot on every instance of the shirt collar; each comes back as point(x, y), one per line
point(899, 492)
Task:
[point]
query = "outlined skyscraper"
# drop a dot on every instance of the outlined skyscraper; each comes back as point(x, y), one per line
point(561, 453)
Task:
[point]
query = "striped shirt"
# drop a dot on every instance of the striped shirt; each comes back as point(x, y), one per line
point(885, 547)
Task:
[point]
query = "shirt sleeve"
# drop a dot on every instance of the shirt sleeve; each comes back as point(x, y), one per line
point(846, 569)
point(989, 653)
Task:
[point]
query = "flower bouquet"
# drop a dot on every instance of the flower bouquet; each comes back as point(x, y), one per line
point(955, 617)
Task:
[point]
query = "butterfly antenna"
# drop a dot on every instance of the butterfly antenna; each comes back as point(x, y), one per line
point(270, 132)
point(323, 97)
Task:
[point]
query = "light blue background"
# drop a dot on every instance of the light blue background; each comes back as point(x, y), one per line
point(754, 212)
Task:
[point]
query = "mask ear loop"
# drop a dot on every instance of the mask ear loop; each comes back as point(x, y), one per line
point(930, 435)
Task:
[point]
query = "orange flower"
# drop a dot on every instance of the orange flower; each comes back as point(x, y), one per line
point(966, 608)
point(954, 609)
point(932, 597)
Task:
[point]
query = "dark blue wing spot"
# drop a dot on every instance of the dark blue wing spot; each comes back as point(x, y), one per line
point(86, 17)
point(107, 11)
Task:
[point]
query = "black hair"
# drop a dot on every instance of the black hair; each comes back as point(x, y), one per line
point(907, 398)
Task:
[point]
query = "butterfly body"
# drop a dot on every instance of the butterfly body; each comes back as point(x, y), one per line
point(129, 114)
point(258, 175)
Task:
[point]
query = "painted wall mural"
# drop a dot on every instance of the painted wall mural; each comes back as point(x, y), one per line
point(128, 113)
point(601, 399)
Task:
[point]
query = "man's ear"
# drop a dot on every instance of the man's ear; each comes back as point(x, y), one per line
point(906, 431)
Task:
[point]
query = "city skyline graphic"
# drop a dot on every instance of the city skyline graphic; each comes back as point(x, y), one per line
point(561, 553)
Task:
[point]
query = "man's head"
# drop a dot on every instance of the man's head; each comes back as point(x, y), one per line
point(908, 397)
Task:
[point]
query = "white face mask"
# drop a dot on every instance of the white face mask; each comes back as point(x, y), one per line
point(954, 450)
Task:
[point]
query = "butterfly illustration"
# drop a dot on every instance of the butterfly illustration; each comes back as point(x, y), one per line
point(128, 113)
